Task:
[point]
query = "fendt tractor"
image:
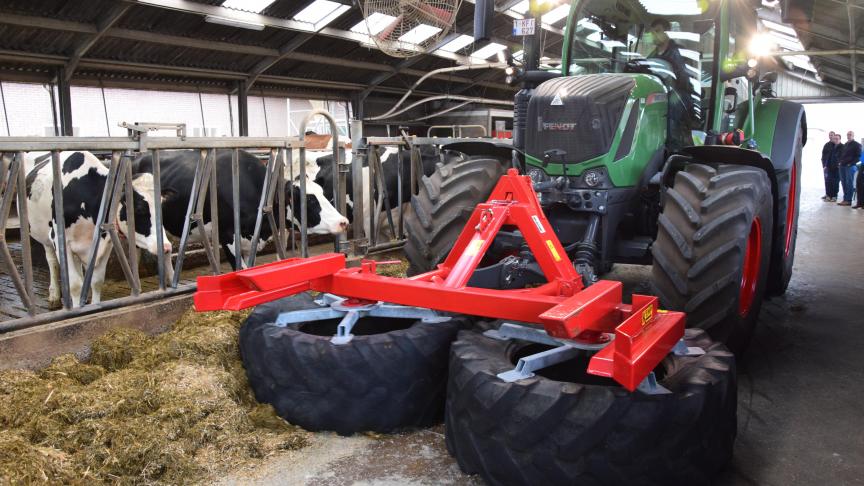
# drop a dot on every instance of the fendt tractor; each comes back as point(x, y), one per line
point(697, 177)
point(658, 142)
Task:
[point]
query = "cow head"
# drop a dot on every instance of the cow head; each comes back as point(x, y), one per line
point(322, 217)
point(145, 210)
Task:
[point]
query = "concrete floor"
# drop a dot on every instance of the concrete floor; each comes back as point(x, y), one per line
point(801, 384)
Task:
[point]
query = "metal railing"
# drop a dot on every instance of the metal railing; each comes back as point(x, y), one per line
point(275, 205)
point(273, 209)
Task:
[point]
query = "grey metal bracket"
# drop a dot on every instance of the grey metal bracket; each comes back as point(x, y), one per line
point(335, 307)
point(681, 349)
point(564, 349)
point(523, 332)
point(649, 386)
point(527, 365)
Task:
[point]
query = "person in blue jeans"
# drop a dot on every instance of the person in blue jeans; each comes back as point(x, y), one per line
point(851, 156)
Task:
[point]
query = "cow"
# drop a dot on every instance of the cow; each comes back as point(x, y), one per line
point(389, 156)
point(177, 169)
point(83, 178)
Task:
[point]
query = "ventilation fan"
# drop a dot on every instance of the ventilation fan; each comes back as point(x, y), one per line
point(406, 28)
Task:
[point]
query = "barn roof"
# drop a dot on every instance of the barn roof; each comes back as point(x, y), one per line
point(171, 43)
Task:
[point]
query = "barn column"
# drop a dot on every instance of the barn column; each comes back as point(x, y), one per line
point(64, 100)
point(242, 109)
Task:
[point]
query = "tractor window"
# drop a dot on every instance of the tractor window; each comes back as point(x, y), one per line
point(631, 36)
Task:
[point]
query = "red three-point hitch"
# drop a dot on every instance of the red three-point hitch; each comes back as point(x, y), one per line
point(643, 334)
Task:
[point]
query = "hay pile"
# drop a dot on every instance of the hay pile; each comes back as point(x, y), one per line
point(174, 408)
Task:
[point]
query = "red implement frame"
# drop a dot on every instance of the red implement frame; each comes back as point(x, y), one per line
point(643, 333)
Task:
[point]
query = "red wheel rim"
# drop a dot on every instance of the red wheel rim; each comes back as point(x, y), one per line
point(790, 205)
point(750, 272)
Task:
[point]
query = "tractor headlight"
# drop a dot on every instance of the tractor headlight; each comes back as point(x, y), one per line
point(593, 177)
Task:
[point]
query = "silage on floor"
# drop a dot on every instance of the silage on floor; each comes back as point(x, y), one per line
point(172, 408)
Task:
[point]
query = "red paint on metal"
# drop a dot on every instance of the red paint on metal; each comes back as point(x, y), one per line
point(563, 306)
point(750, 269)
point(790, 205)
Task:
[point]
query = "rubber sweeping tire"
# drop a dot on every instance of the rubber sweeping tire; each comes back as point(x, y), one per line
point(443, 205)
point(376, 382)
point(788, 207)
point(542, 431)
point(706, 223)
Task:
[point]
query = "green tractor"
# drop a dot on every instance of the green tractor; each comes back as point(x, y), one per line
point(681, 160)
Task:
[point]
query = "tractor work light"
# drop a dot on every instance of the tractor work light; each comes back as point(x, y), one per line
point(761, 45)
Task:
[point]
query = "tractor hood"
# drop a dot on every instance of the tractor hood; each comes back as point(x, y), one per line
point(574, 119)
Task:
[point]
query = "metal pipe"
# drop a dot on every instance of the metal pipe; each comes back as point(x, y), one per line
point(107, 196)
point(486, 101)
point(48, 317)
point(338, 180)
point(157, 198)
point(358, 150)
point(60, 229)
point(433, 73)
point(24, 229)
point(135, 283)
point(15, 168)
point(264, 205)
point(235, 202)
point(214, 210)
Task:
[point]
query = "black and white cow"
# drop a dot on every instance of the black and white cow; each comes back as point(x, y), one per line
point(83, 179)
point(177, 175)
point(389, 156)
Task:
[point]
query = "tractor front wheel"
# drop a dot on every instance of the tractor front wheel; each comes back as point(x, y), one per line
point(392, 374)
point(713, 249)
point(443, 205)
point(563, 426)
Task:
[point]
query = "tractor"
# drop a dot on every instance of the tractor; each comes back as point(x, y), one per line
point(698, 178)
point(543, 372)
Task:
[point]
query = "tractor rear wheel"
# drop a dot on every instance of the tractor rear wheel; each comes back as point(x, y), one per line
point(563, 426)
point(713, 249)
point(392, 374)
point(443, 205)
point(788, 205)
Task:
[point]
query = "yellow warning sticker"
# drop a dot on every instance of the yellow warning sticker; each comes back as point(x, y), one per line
point(552, 249)
point(647, 315)
point(474, 247)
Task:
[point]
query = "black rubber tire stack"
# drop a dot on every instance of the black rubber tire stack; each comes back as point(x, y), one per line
point(377, 382)
point(541, 431)
point(700, 247)
point(443, 205)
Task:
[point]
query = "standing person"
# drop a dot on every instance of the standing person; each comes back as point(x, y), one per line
point(827, 150)
point(851, 155)
point(859, 181)
point(832, 169)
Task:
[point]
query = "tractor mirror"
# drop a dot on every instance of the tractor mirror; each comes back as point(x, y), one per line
point(769, 78)
point(730, 100)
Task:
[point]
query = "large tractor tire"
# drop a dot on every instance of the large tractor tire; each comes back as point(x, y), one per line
point(563, 426)
point(393, 374)
point(788, 205)
point(713, 249)
point(443, 205)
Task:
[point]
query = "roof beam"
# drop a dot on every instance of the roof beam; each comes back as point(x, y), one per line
point(284, 51)
point(852, 45)
point(189, 6)
point(180, 41)
point(102, 26)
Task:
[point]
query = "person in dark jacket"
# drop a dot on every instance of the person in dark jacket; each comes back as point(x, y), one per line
point(832, 169)
point(859, 181)
point(827, 149)
point(851, 155)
